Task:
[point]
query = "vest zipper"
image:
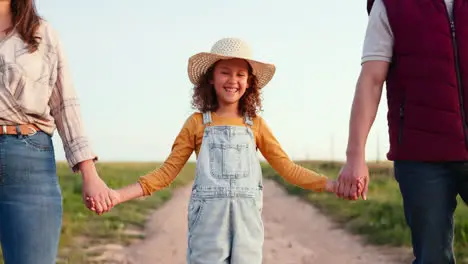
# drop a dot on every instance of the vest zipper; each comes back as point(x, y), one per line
point(459, 80)
point(402, 118)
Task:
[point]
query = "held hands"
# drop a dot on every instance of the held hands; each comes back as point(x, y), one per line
point(97, 196)
point(96, 206)
point(353, 180)
point(126, 193)
point(333, 187)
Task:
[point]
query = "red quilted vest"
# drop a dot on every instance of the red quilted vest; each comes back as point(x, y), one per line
point(427, 83)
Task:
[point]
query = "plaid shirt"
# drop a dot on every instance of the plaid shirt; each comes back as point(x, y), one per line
point(37, 88)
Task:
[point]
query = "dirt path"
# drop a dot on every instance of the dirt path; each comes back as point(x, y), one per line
point(295, 233)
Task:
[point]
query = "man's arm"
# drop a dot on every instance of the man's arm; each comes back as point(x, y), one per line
point(376, 57)
point(364, 108)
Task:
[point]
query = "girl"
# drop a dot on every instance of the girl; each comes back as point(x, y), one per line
point(36, 97)
point(224, 215)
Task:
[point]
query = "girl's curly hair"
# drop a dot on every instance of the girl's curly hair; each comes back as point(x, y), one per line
point(204, 95)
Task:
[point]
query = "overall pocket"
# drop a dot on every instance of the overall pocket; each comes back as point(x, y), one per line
point(195, 210)
point(229, 161)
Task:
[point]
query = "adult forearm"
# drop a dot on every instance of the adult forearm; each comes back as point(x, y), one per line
point(363, 112)
point(85, 167)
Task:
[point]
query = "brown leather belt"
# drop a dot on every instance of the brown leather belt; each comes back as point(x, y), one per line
point(28, 129)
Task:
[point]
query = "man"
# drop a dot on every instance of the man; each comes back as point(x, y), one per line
point(420, 49)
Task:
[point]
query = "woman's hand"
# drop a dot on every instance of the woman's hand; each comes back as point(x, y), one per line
point(97, 196)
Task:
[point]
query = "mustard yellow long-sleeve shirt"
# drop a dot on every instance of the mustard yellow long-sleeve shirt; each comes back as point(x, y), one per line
point(190, 139)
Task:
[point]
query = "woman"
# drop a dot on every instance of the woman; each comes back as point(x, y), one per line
point(37, 96)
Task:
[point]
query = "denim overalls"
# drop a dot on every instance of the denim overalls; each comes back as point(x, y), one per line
point(224, 213)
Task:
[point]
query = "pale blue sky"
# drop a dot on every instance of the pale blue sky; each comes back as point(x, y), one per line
point(129, 59)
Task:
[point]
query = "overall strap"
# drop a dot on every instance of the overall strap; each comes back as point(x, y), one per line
point(248, 120)
point(207, 118)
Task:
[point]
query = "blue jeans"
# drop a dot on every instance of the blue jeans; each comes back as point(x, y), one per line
point(430, 193)
point(30, 200)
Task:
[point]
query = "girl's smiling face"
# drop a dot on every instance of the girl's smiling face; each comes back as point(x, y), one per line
point(231, 80)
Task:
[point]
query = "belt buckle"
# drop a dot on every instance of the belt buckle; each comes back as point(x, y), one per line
point(4, 129)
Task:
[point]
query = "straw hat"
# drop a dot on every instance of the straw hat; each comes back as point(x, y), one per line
point(229, 48)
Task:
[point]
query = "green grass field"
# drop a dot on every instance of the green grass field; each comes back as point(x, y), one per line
point(380, 218)
point(83, 229)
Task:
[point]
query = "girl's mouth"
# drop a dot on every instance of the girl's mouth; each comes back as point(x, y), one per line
point(231, 90)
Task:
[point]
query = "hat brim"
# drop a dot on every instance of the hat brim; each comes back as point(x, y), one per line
point(199, 63)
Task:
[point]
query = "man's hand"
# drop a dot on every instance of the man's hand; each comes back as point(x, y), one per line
point(353, 180)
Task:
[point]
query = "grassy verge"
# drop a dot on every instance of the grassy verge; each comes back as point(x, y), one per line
point(82, 229)
point(380, 219)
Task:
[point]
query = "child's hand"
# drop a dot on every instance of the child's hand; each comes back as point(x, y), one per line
point(331, 186)
point(358, 188)
point(113, 195)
